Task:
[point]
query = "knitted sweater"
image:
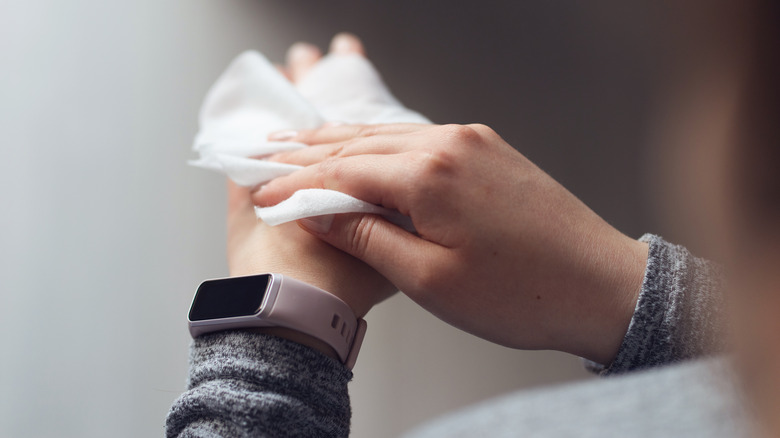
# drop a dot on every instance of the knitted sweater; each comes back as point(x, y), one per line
point(244, 384)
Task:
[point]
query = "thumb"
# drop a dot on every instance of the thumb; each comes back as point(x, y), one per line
point(402, 257)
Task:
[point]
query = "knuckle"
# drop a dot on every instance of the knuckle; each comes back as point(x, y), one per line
point(336, 152)
point(367, 130)
point(433, 164)
point(360, 232)
point(483, 130)
point(328, 172)
point(459, 134)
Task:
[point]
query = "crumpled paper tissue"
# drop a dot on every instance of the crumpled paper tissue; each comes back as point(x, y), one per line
point(252, 99)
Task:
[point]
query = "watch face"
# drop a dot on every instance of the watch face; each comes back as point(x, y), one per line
point(229, 297)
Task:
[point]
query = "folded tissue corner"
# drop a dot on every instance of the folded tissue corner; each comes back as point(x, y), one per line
point(251, 99)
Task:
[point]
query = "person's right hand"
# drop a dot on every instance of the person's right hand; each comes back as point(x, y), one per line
point(502, 251)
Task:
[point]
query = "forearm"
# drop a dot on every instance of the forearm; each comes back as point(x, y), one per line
point(679, 312)
point(249, 384)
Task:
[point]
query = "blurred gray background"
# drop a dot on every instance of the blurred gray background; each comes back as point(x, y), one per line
point(105, 232)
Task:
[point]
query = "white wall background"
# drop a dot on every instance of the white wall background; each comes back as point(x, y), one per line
point(105, 232)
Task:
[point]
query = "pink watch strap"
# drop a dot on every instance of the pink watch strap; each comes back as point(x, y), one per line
point(299, 306)
point(311, 310)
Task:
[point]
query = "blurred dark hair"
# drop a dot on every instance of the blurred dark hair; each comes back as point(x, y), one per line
point(757, 157)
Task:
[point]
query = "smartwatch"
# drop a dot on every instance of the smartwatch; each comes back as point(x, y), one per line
point(273, 300)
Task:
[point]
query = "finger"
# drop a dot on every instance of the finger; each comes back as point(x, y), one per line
point(377, 179)
point(333, 123)
point(333, 134)
point(283, 70)
point(345, 44)
point(376, 145)
point(400, 256)
point(301, 58)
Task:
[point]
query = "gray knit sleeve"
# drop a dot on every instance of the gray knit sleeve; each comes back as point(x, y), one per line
point(678, 314)
point(244, 384)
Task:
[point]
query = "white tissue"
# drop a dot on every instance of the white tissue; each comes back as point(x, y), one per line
point(318, 202)
point(347, 88)
point(251, 99)
point(245, 172)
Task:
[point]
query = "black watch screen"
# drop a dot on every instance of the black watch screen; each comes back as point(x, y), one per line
point(229, 297)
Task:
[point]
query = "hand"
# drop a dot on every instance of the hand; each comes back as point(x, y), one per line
point(303, 57)
point(253, 248)
point(344, 86)
point(502, 251)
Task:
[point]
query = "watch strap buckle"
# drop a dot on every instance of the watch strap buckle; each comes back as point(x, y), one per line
point(357, 342)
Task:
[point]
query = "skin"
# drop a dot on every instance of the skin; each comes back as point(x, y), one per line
point(502, 251)
point(253, 247)
point(582, 273)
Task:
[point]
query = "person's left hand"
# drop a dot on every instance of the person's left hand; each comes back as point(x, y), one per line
point(254, 247)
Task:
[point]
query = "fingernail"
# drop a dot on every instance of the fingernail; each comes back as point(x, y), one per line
point(282, 135)
point(302, 50)
point(345, 43)
point(317, 224)
point(333, 124)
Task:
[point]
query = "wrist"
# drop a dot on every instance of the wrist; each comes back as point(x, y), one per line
point(290, 251)
point(599, 324)
point(336, 284)
point(627, 272)
point(282, 306)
